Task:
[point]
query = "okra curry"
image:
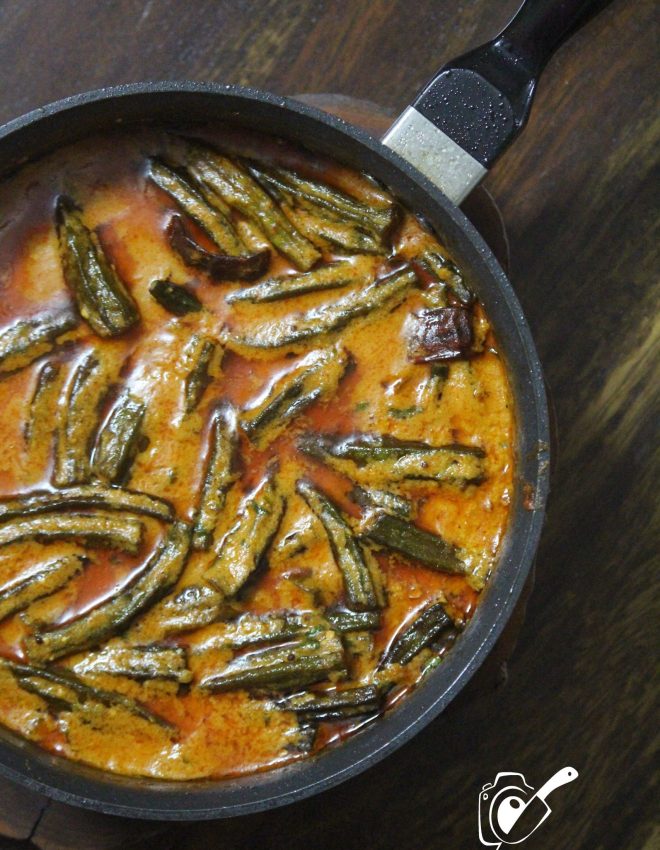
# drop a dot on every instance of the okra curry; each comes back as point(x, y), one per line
point(256, 452)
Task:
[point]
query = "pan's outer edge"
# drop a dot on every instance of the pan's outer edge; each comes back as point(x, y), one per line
point(77, 116)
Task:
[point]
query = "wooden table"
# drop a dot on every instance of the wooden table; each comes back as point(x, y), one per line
point(579, 200)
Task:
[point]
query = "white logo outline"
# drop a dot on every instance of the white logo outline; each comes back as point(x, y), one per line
point(503, 802)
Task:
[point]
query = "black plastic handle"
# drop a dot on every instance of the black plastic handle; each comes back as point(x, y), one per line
point(541, 26)
point(482, 99)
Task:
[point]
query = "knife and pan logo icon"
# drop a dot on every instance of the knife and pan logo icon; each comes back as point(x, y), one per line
point(510, 810)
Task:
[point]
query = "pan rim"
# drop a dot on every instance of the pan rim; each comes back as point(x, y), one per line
point(76, 784)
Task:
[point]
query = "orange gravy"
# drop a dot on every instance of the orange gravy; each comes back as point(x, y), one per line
point(226, 734)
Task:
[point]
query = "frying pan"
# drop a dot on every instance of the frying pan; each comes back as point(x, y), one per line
point(448, 138)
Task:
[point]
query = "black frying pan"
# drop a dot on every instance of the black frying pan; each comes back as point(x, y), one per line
point(472, 109)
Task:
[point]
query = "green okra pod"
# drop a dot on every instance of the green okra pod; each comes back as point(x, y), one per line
point(245, 544)
point(384, 292)
point(249, 629)
point(214, 221)
point(229, 181)
point(357, 272)
point(361, 575)
point(48, 578)
point(449, 280)
point(320, 197)
point(119, 439)
point(219, 475)
point(403, 536)
point(391, 503)
point(43, 403)
point(339, 704)
point(102, 297)
point(78, 415)
point(199, 352)
point(192, 607)
point(343, 620)
point(58, 696)
point(335, 236)
point(426, 627)
point(380, 460)
point(64, 691)
point(315, 378)
point(28, 339)
point(85, 496)
point(99, 529)
point(159, 574)
point(136, 662)
point(292, 665)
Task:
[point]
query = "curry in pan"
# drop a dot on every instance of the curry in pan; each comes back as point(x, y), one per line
point(255, 462)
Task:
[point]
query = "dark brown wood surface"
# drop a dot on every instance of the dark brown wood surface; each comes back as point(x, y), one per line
point(579, 196)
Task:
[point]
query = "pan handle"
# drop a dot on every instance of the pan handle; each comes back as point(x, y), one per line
point(476, 105)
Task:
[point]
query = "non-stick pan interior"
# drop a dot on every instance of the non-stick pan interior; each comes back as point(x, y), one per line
point(183, 104)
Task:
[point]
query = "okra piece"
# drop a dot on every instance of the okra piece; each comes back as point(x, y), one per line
point(362, 581)
point(335, 235)
point(292, 665)
point(85, 496)
point(422, 632)
point(330, 235)
point(449, 278)
point(250, 629)
point(402, 536)
point(43, 402)
point(137, 662)
point(102, 298)
point(65, 691)
point(384, 292)
point(380, 460)
point(78, 416)
point(342, 620)
point(119, 440)
point(233, 184)
point(212, 220)
point(333, 705)
point(160, 573)
point(97, 529)
point(245, 544)
point(318, 196)
point(25, 341)
point(331, 276)
point(175, 297)
point(220, 474)
point(364, 449)
point(199, 351)
point(57, 696)
point(391, 503)
point(217, 266)
point(191, 608)
point(315, 378)
point(46, 580)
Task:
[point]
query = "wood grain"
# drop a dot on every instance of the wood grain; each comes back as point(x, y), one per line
point(20, 811)
point(579, 195)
